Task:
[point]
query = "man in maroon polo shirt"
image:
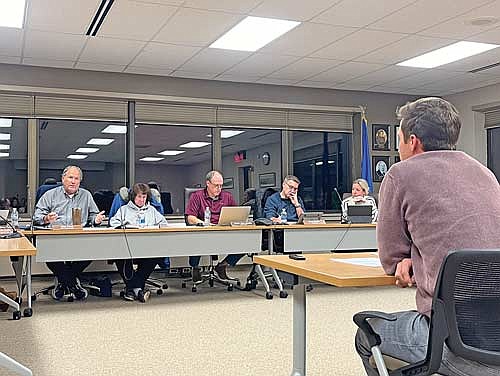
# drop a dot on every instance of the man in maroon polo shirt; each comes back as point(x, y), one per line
point(214, 198)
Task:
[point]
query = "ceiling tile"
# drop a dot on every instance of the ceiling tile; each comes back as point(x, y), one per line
point(68, 16)
point(306, 38)
point(214, 61)
point(305, 68)
point(53, 46)
point(236, 78)
point(423, 14)
point(387, 90)
point(164, 55)
point(275, 81)
point(347, 13)
point(460, 81)
point(48, 63)
point(195, 75)
point(351, 86)
point(358, 43)
point(261, 65)
point(422, 78)
point(490, 36)
point(11, 41)
point(147, 19)
point(237, 6)
point(391, 73)
point(404, 49)
point(346, 72)
point(10, 59)
point(297, 10)
point(110, 51)
point(149, 71)
point(100, 67)
point(209, 26)
point(460, 27)
point(315, 84)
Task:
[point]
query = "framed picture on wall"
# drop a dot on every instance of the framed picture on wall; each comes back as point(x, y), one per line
point(380, 136)
point(380, 165)
point(267, 180)
point(228, 183)
point(396, 137)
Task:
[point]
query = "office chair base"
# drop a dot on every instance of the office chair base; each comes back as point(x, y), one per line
point(211, 277)
point(257, 274)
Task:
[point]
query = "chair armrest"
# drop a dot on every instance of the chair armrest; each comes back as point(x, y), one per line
point(361, 320)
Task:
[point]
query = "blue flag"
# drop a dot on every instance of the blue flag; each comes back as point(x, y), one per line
point(366, 165)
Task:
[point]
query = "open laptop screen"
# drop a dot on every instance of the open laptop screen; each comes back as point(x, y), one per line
point(233, 214)
point(359, 213)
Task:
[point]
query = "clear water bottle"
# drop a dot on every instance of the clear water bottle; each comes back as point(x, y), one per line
point(14, 217)
point(206, 220)
point(284, 217)
point(141, 219)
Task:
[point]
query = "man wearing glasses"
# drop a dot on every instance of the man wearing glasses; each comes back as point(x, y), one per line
point(287, 199)
point(214, 198)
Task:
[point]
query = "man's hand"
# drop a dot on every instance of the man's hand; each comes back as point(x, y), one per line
point(294, 199)
point(50, 218)
point(404, 273)
point(99, 218)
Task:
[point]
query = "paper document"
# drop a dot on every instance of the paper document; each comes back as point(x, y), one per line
point(362, 261)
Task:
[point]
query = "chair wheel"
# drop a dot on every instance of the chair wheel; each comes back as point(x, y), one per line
point(238, 283)
point(71, 299)
point(194, 289)
point(309, 288)
point(122, 294)
point(159, 292)
point(165, 286)
point(183, 285)
point(248, 286)
point(28, 312)
point(283, 294)
point(230, 288)
point(16, 315)
point(33, 298)
point(269, 295)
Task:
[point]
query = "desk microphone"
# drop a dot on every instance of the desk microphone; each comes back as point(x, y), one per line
point(338, 194)
point(14, 234)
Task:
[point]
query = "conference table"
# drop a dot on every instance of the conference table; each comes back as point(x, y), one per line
point(18, 249)
point(340, 270)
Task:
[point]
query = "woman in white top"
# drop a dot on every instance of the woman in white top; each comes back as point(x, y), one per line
point(359, 196)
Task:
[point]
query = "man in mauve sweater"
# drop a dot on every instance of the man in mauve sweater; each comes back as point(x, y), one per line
point(434, 201)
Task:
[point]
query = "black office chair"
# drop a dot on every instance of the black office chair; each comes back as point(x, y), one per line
point(464, 314)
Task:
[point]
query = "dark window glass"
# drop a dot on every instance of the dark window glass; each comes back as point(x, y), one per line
point(493, 136)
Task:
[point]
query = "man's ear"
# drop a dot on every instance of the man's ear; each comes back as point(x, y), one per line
point(415, 144)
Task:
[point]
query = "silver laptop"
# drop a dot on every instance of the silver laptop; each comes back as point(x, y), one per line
point(233, 214)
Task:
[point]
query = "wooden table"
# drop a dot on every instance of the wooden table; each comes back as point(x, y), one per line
point(17, 249)
point(322, 268)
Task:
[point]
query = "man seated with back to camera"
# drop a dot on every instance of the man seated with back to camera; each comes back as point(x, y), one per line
point(55, 207)
point(213, 197)
point(288, 202)
point(359, 196)
point(138, 206)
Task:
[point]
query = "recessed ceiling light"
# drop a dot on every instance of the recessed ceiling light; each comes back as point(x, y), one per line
point(77, 156)
point(86, 150)
point(120, 129)
point(228, 134)
point(194, 145)
point(5, 136)
point(4, 147)
point(4, 154)
point(253, 33)
point(151, 159)
point(448, 54)
point(12, 14)
point(171, 152)
point(100, 141)
point(5, 123)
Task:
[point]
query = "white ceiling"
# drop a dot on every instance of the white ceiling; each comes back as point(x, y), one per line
point(343, 44)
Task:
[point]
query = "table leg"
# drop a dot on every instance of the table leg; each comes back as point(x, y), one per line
point(28, 280)
point(299, 330)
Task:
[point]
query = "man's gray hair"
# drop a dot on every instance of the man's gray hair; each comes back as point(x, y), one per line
point(434, 121)
point(65, 171)
point(292, 178)
point(210, 175)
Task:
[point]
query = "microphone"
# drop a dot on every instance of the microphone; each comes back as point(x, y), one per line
point(338, 194)
point(342, 219)
point(14, 234)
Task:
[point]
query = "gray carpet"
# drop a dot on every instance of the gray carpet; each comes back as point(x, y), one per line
point(212, 332)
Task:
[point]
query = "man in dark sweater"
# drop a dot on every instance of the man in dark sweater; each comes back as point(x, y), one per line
point(434, 201)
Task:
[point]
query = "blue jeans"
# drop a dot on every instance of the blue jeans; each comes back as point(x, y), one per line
point(194, 261)
point(406, 339)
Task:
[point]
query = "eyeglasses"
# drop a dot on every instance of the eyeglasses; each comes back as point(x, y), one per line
point(292, 187)
point(216, 185)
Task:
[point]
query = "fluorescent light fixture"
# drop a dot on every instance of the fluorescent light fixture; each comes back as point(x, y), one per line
point(194, 145)
point(4, 147)
point(120, 129)
point(12, 14)
point(77, 156)
point(4, 154)
point(100, 141)
point(5, 123)
point(4, 136)
point(228, 134)
point(320, 163)
point(253, 33)
point(448, 54)
point(151, 159)
point(171, 152)
point(86, 150)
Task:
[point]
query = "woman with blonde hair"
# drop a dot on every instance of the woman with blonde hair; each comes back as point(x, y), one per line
point(359, 196)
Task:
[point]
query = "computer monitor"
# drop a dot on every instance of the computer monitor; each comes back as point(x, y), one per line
point(359, 213)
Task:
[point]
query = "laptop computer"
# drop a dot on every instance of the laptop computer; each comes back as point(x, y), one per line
point(311, 218)
point(359, 213)
point(233, 214)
